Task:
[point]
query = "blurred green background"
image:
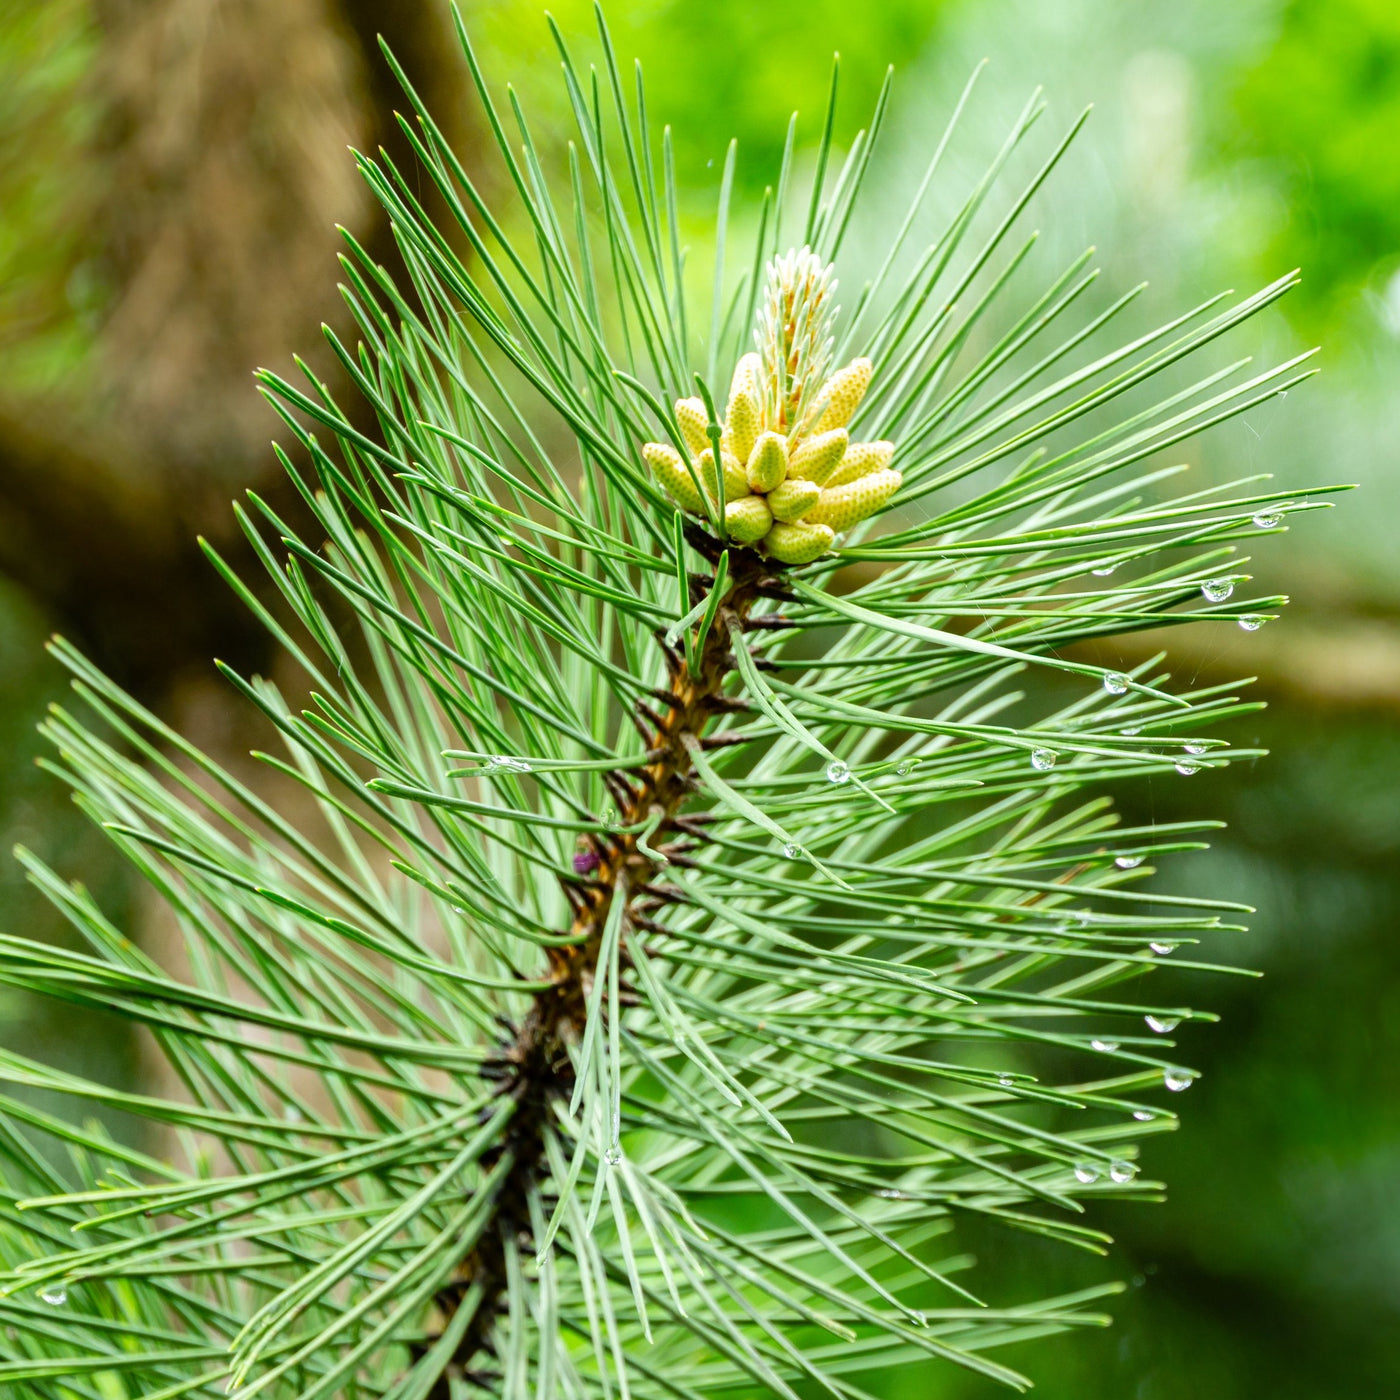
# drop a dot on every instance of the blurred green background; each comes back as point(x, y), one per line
point(170, 171)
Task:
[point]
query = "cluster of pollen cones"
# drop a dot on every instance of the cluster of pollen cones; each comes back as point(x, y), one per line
point(788, 492)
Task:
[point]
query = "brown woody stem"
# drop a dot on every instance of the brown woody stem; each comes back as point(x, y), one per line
point(535, 1067)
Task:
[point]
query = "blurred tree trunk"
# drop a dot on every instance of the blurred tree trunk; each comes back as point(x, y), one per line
point(222, 171)
point(210, 198)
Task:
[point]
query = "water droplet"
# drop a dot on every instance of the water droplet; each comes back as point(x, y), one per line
point(919, 1319)
point(1267, 519)
point(1186, 767)
point(1115, 682)
point(792, 851)
point(1251, 622)
point(1163, 1025)
point(1178, 1079)
point(1128, 862)
point(1005, 1080)
point(906, 768)
point(837, 772)
point(1087, 1172)
point(55, 1295)
point(1104, 1047)
point(1217, 590)
point(1121, 1171)
point(504, 763)
point(890, 1194)
point(1043, 759)
point(1161, 949)
point(1133, 732)
point(1143, 1115)
point(1104, 571)
point(613, 1156)
point(1195, 747)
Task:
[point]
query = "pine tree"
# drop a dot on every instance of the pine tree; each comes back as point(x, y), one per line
point(699, 921)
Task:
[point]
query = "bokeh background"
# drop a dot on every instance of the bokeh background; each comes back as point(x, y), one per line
point(170, 174)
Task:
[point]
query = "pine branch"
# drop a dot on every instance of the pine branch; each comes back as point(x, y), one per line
point(505, 1095)
point(534, 1067)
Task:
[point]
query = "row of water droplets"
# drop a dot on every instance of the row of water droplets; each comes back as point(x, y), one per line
point(1218, 590)
point(1043, 760)
point(1118, 683)
point(1119, 1170)
point(1174, 1077)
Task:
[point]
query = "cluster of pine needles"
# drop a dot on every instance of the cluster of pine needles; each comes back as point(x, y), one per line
point(659, 946)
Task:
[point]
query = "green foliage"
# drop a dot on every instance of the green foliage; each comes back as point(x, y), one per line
point(1318, 108)
point(46, 289)
point(752, 63)
point(683, 944)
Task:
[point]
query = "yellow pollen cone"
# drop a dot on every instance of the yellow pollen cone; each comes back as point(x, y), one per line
point(736, 484)
point(667, 467)
point(748, 520)
point(798, 544)
point(768, 461)
point(693, 420)
point(741, 424)
point(843, 393)
point(842, 506)
point(861, 459)
point(817, 457)
point(791, 499)
point(746, 374)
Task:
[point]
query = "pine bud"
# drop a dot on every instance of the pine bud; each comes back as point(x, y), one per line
point(860, 460)
point(746, 375)
point(693, 422)
point(736, 483)
point(768, 463)
point(667, 467)
point(798, 544)
point(842, 506)
point(748, 519)
point(817, 457)
point(792, 499)
point(741, 424)
point(843, 393)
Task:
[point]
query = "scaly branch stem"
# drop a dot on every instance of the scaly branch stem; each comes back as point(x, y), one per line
point(535, 1066)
